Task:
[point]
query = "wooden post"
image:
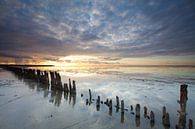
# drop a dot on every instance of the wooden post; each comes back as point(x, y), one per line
point(87, 101)
point(110, 107)
point(52, 79)
point(152, 118)
point(98, 103)
point(131, 108)
point(106, 102)
point(122, 106)
point(183, 93)
point(117, 102)
point(137, 109)
point(110, 104)
point(70, 86)
point(38, 74)
point(66, 87)
point(74, 86)
point(163, 114)
point(145, 111)
point(55, 79)
point(183, 103)
point(90, 96)
point(164, 111)
point(47, 78)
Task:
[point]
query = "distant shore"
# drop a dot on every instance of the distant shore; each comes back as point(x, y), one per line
point(20, 65)
point(25, 65)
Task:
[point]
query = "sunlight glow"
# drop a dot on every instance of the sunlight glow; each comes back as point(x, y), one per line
point(100, 61)
point(79, 58)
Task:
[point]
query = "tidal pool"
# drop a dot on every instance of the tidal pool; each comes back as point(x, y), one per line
point(26, 104)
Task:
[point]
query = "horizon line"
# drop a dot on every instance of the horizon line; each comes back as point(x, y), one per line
point(122, 65)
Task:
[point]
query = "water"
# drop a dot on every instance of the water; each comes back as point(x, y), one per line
point(25, 104)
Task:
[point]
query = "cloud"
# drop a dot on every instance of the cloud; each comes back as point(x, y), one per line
point(109, 28)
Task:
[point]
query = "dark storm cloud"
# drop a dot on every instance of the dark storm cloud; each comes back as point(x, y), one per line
point(15, 56)
point(49, 28)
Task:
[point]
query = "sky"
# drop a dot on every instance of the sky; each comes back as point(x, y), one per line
point(120, 32)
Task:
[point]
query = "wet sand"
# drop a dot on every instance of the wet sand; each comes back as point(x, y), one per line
point(25, 103)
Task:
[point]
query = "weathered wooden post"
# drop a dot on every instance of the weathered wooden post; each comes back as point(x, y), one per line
point(145, 111)
point(53, 80)
point(110, 107)
point(164, 111)
point(152, 119)
point(90, 96)
point(70, 86)
point(74, 87)
point(66, 87)
point(117, 102)
point(59, 82)
point(122, 110)
point(98, 100)
point(87, 101)
point(137, 115)
point(122, 106)
point(137, 109)
point(131, 108)
point(42, 77)
point(106, 102)
point(190, 124)
point(183, 103)
point(47, 78)
point(183, 93)
point(98, 103)
point(38, 74)
point(110, 104)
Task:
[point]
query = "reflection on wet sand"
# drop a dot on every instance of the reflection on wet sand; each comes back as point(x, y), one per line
point(57, 90)
point(122, 117)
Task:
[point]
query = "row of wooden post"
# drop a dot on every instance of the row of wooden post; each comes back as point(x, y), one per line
point(165, 114)
point(56, 83)
point(43, 77)
point(108, 102)
point(36, 75)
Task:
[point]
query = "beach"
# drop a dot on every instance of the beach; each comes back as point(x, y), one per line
point(25, 103)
